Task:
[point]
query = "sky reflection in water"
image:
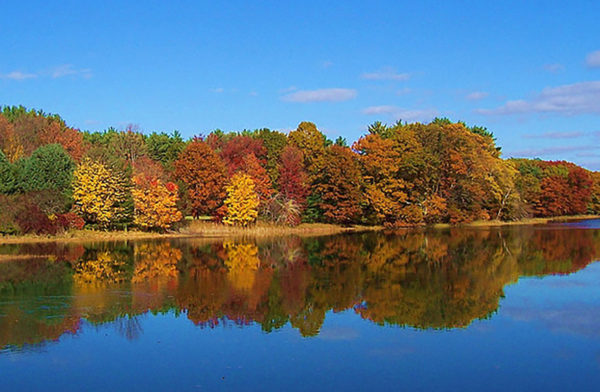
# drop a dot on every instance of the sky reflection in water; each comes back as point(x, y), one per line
point(515, 308)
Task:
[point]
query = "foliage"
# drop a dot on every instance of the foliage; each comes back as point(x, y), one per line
point(155, 203)
point(338, 185)
point(48, 168)
point(98, 193)
point(260, 177)
point(308, 139)
point(203, 173)
point(8, 181)
point(164, 148)
point(293, 180)
point(274, 143)
point(242, 201)
point(238, 147)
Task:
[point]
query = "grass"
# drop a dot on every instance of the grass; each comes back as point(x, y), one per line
point(193, 229)
point(262, 229)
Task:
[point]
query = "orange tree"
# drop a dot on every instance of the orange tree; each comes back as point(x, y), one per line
point(203, 173)
point(338, 186)
point(155, 203)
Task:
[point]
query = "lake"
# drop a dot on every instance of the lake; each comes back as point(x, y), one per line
point(514, 308)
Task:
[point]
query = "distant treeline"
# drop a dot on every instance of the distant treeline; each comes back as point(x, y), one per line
point(54, 177)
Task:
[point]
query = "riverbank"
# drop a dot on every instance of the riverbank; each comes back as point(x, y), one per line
point(209, 230)
point(522, 222)
point(195, 229)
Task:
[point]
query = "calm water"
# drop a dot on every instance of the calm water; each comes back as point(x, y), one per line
point(463, 309)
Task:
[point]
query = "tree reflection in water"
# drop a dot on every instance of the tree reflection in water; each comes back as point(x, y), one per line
point(438, 279)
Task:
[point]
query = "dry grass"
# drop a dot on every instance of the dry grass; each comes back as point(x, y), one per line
point(261, 229)
point(85, 236)
point(194, 229)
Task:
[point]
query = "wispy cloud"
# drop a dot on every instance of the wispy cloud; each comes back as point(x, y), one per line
point(18, 75)
point(69, 70)
point(554, 68)
point(60, 71)
point(218, 90)
point(386, 73)
point(477, 95)
point(321, 95)
point(592, 60)
point(539, 152)
point(568, 99)
point(399, 113)
point(555, 135)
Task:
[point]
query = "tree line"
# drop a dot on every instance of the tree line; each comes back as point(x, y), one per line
point(54, 177)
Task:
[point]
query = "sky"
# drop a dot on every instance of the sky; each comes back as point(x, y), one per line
point(529, 71)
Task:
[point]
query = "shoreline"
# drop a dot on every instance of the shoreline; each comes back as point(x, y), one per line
point(194, 231)
point(204, 230)
point(522, 222)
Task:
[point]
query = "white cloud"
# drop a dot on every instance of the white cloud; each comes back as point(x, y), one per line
point(68, 70)
point(568, 99)
point(18, 75)
point(399, 113)
point(404, 91)
point(218, 90)
point(477, 95)
point(554, 68)
point(386, 73)
point(321, 95)
point(592, 60)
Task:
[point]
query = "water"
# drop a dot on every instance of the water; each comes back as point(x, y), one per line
point(463, 309)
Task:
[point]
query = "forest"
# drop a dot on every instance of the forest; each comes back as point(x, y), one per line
point(55, 178)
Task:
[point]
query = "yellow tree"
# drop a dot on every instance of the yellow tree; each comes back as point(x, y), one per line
point(98, 193)
point(155, 203)
point(242, 201)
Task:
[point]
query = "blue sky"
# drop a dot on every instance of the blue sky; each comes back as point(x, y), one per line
point(529, 71)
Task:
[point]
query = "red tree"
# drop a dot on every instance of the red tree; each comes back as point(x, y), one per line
point(293, 180)
point(262, 181)
point(235, 149)
point(203, 173)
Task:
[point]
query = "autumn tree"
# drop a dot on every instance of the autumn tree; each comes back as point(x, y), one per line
point(274, 142)
point(293, 180)
point(203, 173)
point(155, 203)
point(386, 191)
point(338, 186)
point(308, 139)
point(242, 201)
point(260, 177)
point(98, 193)
point(238, 147)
